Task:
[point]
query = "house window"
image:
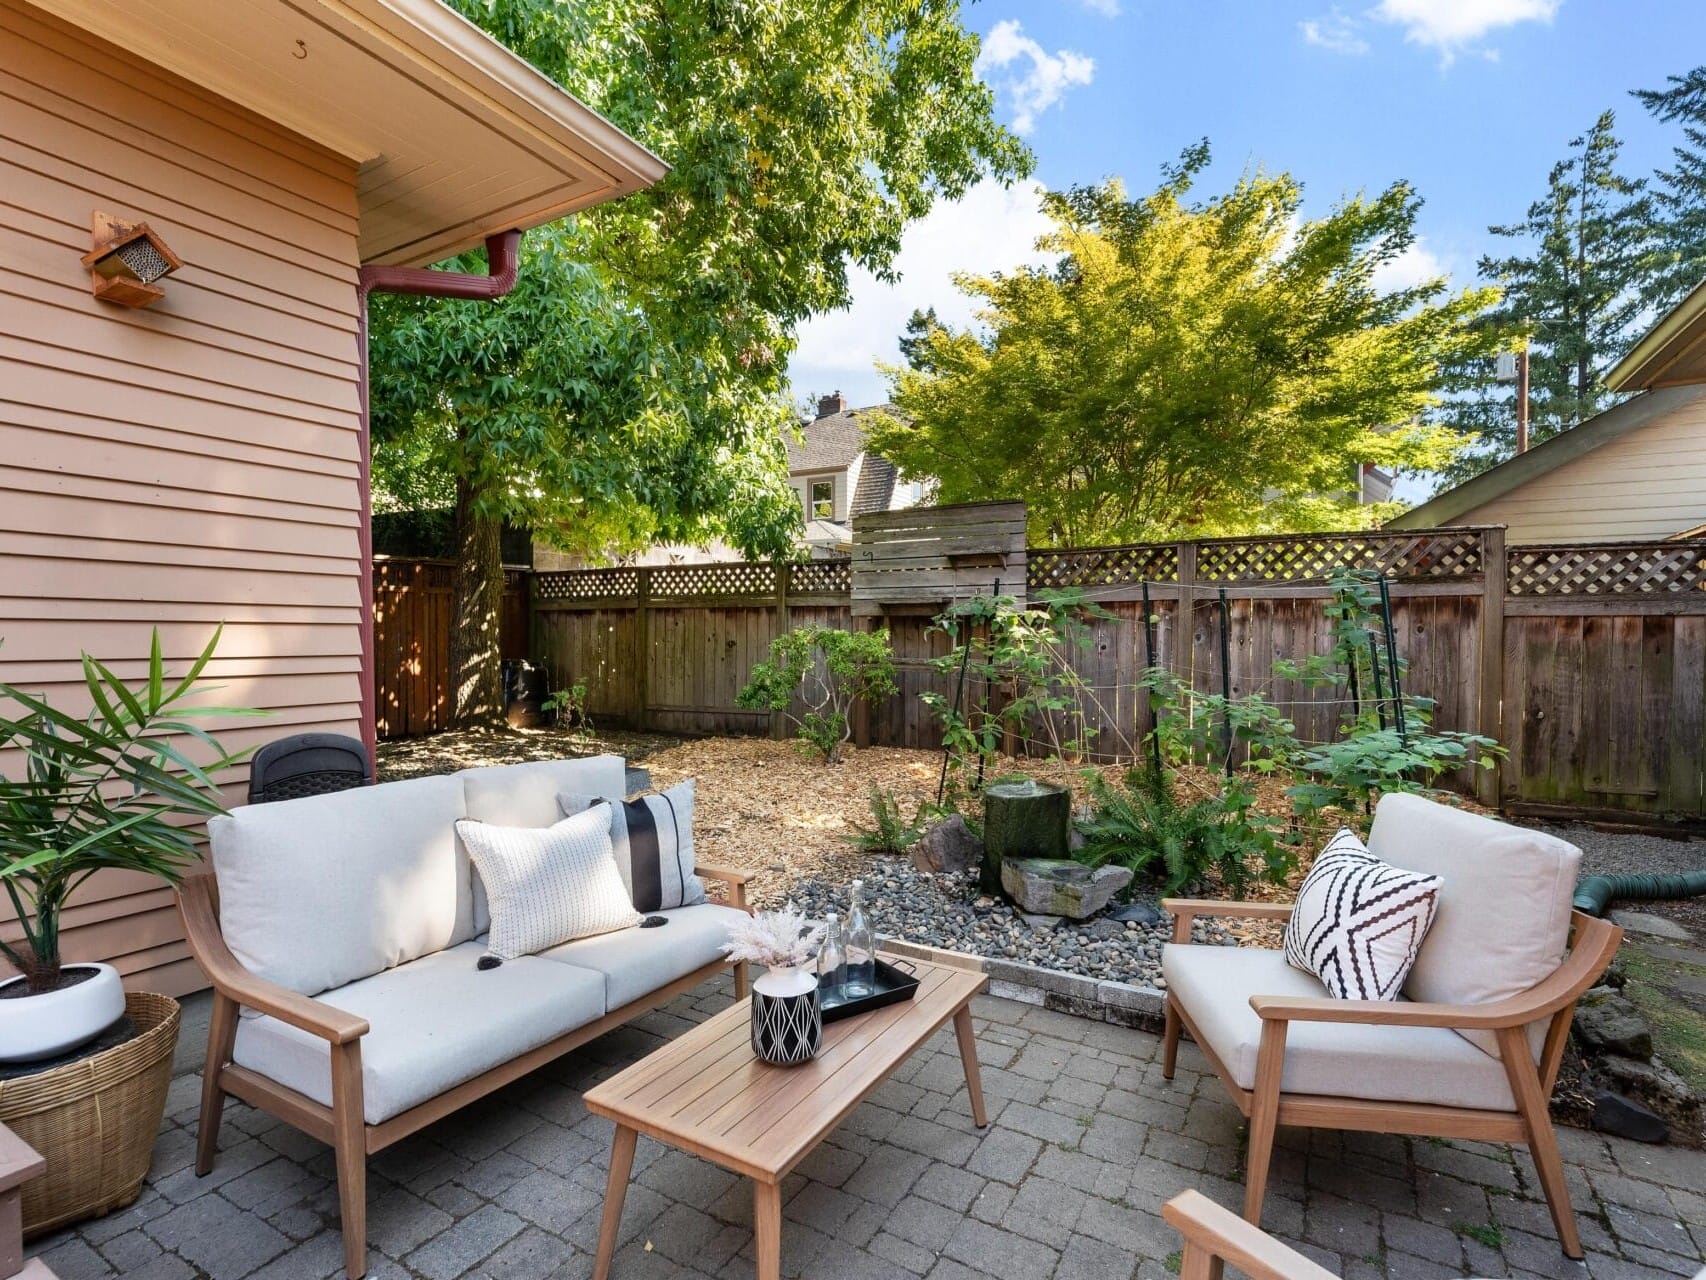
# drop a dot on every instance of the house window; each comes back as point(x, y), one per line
point(822, 505)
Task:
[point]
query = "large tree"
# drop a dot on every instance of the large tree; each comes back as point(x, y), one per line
point(1572, 290)
point(1186, 367)
point(633, 386)
point(1679, 260)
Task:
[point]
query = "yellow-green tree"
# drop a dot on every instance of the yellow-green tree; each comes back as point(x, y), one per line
point(1188, 368)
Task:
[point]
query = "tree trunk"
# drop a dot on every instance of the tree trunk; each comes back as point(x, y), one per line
point(475, 656)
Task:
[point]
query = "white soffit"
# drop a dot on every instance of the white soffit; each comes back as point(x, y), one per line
point(454, 136)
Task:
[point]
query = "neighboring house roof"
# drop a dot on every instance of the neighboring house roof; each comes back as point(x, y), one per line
point(1639, 411)
point(832, 440)
point(1671, 354)
point(875, 490)
point(454, 137)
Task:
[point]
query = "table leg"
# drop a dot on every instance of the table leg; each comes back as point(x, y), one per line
point(767, 1229)
point(621, 1165)
point(968, 1059)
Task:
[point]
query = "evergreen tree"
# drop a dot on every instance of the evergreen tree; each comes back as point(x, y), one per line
point(1573, 291)
point(1679, 260)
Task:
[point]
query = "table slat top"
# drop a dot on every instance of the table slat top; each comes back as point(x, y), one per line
point(707, 1093)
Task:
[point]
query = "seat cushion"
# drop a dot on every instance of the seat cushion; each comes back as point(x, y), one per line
point(525, 795)
point(1383, 1063)
point(435, 1022)
point(548, 885)
point(1503, 922)
point(636, 962)
point(319, 892)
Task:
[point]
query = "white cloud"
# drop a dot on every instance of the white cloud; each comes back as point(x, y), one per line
point(1454, 26)
point(1335, 32)
point(1035, 79)
point(1107, 8)
point(992, 228)
point(1410, 268)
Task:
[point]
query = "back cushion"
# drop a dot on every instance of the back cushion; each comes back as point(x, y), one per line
point(1503, 922)
point(317, 892)
point(525, 795)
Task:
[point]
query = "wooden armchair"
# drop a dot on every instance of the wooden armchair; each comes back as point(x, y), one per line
point(1214, 1236)
point(1520, 1116)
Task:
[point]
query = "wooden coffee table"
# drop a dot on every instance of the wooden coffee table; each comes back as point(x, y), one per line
point(708, 1094)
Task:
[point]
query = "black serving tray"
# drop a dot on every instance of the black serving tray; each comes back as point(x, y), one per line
point(894, 983)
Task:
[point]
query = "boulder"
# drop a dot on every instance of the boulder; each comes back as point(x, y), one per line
point(948, 847)
point(1143, 913)
point(1657, 1088)
point(1611, 1024)
point(1613, 1113)
point(1052, 887)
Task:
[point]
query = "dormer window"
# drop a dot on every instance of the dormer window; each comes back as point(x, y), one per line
point(821, 505)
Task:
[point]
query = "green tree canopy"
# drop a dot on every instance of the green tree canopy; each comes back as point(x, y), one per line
point(1186, 368)
point(1573, 290)
point(1679, 262)
point(633, 386)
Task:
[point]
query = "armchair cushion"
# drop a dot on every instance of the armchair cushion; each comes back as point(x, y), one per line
point(1357, 1060)
point(1359, 922)
point(435, 1022)
point(1504, 914)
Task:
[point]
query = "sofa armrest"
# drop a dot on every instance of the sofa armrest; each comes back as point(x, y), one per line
point(734, 878)
point(1185, 910)
point(199, 910)
point(1212, 1232)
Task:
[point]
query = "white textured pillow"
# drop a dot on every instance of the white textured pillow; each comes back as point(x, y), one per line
point(1359, 922)
point(548, 885)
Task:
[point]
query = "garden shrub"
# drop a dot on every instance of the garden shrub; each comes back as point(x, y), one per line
point(829, 670)
point(889, 832)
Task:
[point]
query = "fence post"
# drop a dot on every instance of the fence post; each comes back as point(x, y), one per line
point(1183, 657)
point(643, 647)
point(1489, 786)
point(784, 571)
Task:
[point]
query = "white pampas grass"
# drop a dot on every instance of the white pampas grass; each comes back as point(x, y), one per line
point(776, 939)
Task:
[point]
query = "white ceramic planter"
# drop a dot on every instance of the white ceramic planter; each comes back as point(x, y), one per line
point(45, 1026)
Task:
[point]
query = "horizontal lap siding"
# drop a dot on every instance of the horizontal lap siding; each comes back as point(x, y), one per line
point(189, 464)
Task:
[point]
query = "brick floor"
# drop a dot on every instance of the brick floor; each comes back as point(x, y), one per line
point(1085, 1143)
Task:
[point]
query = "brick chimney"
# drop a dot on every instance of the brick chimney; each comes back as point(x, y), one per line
point(827, 405)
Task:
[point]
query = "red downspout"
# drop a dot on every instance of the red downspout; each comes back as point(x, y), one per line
point(503, 254)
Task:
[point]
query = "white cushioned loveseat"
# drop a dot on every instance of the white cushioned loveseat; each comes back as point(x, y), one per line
point(343, 933)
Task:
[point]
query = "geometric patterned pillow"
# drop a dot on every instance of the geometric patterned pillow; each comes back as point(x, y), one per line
point(1359, 922)
point(652, 839)
point(548, 885)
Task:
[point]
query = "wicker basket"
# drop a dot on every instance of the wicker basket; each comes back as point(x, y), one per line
point(95, 1121)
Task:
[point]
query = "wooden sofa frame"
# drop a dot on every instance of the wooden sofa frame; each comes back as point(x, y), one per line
point(1592, 947)
point(342, 1125)
point(1215, 1236)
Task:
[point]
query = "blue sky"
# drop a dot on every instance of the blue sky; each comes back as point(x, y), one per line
point(1471, 101)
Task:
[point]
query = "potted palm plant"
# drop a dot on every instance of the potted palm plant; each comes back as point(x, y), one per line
point(115, 789)
point(122, 787)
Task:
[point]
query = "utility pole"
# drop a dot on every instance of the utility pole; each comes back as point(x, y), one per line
point(1522, 400)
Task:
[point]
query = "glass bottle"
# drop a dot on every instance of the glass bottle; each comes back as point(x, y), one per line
point(831, 963)
point(861, 949)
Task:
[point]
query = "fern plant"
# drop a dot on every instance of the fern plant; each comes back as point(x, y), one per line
point(889, 832)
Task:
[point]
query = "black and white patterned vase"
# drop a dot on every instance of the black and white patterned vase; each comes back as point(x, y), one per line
point(787, 1022)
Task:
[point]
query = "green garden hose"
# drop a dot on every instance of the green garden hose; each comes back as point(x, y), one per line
point(1595, 893)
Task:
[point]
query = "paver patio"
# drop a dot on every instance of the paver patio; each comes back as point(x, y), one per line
point(1085, 1143)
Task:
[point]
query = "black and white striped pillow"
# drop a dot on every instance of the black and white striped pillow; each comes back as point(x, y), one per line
point(652, 836)
point(1359, 922)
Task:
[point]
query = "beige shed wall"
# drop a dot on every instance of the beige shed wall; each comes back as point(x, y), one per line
point(192, 463)
point(1649, 484)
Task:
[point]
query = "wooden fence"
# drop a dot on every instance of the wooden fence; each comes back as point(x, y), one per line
point(412, 612)
point(1588, 662)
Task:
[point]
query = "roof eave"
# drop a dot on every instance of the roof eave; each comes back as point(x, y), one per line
point(1679, 334)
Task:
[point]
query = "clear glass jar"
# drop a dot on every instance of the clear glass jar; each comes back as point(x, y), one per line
point(832, 963)
point(861, 948)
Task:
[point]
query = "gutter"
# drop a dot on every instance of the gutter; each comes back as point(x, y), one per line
point(503, 258)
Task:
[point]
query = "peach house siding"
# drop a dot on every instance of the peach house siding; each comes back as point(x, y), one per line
point(188, 464)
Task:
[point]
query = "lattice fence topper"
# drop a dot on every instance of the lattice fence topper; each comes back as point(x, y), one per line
point(586, 584)
point(821, 577)
point(678, 581)
point(1314, 557)
point(1608, 569)
point(1102, 566)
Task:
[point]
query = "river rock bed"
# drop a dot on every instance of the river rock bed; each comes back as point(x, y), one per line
point(947, 911)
